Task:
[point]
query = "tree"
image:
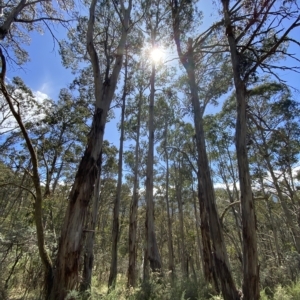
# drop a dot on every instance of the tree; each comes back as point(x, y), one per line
point(205, 185)
point(115, 230)
point(66, 275)
point(246, 57)
point(153, 23)
point(135, 110)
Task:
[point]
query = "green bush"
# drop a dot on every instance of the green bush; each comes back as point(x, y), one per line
point(263, 295)
point(281, 294)
point(294, 290)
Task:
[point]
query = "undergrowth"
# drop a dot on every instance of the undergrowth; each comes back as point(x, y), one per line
point(159, 288)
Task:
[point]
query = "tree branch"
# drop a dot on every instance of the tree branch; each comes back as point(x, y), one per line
point(19, 186)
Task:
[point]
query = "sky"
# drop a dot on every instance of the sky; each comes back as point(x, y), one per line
point(44, 74)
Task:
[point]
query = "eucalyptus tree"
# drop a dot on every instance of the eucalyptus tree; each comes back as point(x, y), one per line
point(183, 17)
point(154, 24)
point(111, 44)
point(50, 135)
point(219, 134)
point(116, 212)
point(254, 37)
point(38, 195)
point(182, 165)
point(105, 182)
point(133, 49)
point(166, 107)
point(275, 135)
point(135, 116)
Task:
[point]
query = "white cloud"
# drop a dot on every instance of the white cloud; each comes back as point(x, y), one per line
point(29, 112)
point(40, 96)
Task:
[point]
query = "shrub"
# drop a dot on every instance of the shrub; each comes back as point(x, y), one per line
point(281, 294)
point(294, 290)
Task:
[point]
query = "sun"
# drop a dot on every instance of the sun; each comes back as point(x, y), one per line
point(157, 54)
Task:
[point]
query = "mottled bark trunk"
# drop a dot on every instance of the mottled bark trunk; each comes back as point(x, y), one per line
point(66, 275)
point(116, 227)
point(134, 205)
point(88, 261)
point(250, 255)
point(208, 261)
point(206, 193)
point(152, 248)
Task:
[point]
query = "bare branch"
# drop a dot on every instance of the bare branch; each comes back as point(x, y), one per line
point(186, 155)
point(19, 186)
point(42, 19)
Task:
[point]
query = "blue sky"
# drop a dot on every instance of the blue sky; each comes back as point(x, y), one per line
point(44, 72)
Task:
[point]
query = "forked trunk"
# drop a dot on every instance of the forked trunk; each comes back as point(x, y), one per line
point(250, 255)
point(206, 192)
point(66, 276)
point(205, 184)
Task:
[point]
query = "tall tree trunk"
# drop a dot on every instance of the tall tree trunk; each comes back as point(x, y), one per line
point(134, 204)
point(116, 227)
point(88, 261)
point(183, 256)
point(198, 224)
point(170, 231)
point(205, 188)
point(206, 194)
point(250, 255)
point(152, 248)
point(208, 261)
point(66, 275)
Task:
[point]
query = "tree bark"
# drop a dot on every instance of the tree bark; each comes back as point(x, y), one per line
point(88, 261)
point(116, 227)
point(250, 255)
point(205, 188)
point(66, 275)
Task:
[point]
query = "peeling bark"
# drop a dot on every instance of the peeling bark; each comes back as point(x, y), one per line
point(66, 276)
